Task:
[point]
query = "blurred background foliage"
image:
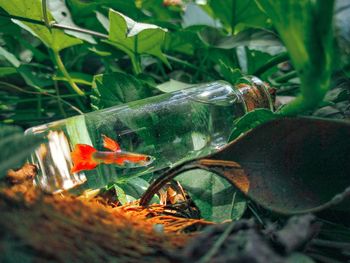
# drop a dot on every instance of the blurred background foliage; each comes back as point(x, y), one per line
point(48, 73)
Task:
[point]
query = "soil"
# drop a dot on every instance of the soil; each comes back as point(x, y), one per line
point(63, 228)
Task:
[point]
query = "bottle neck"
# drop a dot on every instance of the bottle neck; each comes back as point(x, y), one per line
point(255, 93)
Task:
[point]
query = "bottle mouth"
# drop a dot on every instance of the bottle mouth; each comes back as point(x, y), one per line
point(255, 93)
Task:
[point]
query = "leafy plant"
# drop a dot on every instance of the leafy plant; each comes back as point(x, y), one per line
point(63, 58)
point(309, 41)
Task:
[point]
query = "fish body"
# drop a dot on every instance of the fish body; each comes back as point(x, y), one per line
point(86, 157)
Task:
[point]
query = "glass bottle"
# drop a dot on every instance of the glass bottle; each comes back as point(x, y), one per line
point(171, 128)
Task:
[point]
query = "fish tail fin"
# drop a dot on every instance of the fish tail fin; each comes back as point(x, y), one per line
point(82, 157)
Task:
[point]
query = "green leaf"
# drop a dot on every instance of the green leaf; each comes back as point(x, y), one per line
point(216, 199)
point(62, 15)
point(132, 190)
point(117, 88)
point(305, 27)
point(15, 147)
point(183, 41)
point(196, 16)
point(9, 57)
point(230, 74)
point(82, 8)
point(135, 38)
point(55, 39)
point(173, 85)
point(103, 20)
point(256, 39)
point(251, 120)
point(33, 77)
point(5, 71)
point(238, 14)
point(157, 12)
point(120, 194)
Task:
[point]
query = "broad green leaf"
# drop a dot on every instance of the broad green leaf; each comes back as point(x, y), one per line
point(7, 27)
point(216, 199)
point(238, 14)
point(15, 147)
point(103, 20)
point(183, 41)
point(120, 194)
point(196, 16)
point(305, 27)
point(117, 88)
point(5, 71)
point(62, 15)
point(159, 13)
point(173, 85)
point(232, 75)
point(56, 39)
point(9, 57)
point(82, 8)
point(251, 120)
point(39, 55)
point(254, 39)
point(35, 78)
point(135, 38)
point(132, 190)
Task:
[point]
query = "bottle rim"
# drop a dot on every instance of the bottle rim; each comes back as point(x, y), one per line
point(255, 93)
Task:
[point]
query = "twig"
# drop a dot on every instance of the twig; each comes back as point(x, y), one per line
point(58, 99)
point(56, 25)
point(43, 93)
point(214, 249)
point(81, 30)
point(187, 64)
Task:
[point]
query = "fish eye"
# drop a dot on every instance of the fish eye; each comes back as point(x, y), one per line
point(148, 159)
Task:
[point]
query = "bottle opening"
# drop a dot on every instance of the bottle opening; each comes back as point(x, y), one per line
point(255, 93)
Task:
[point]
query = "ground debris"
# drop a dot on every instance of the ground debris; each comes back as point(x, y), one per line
point(22, 175)
point(36, 227)
point(63, 228)
point(246, 241)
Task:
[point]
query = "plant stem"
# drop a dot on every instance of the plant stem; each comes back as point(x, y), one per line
point(11, 86)
point(272, 62)
point(65, 73)
point(59, 103)
point(136, 62)
point(45, 16)
point(39, 105)
point(187, 64)
point(214, 249)
point(81, 30)
point(286, 77)
point(59, 26)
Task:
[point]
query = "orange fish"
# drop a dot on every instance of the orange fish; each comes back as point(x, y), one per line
point(86, 157)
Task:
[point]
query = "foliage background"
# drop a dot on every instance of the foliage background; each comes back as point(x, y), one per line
point(120, 51)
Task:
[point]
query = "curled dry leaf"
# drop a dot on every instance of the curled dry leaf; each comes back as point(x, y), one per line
point(288, 165)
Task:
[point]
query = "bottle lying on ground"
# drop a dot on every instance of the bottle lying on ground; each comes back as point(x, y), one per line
point(143, 136)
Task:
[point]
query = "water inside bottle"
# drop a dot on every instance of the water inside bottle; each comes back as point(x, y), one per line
point(172, 128)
